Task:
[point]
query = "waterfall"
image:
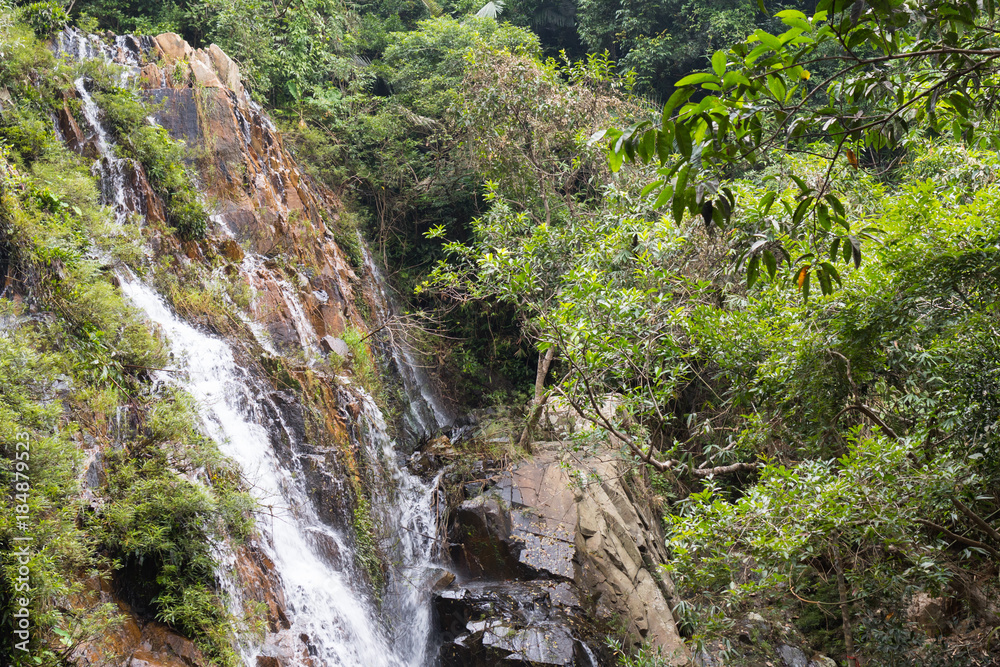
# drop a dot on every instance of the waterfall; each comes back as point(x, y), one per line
point(343, 627)
point(426, 412)
point(328, 609)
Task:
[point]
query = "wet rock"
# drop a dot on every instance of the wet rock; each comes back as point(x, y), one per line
point(231, 250)
point(514, 623)
point(792, 656)
point(192, 250)
point(71, 131)
point(440, 580)
point(482, 542)
point(820, 660)
point(583, 528)
point(440, 446)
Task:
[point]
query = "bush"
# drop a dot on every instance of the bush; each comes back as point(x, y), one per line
point(161, 157)
point(45, 18)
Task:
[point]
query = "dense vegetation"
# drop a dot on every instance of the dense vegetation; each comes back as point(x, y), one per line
point(785, 280)
point(76, 395)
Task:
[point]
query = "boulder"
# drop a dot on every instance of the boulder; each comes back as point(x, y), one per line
point(173, 47)
point(203, 75)
point(228, 71)
point(514, 623)
point(792, 656)
point(928, 613)
point(336, 346)
point(563, 518)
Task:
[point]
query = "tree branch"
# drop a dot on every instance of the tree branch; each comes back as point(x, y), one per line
point(958, 538)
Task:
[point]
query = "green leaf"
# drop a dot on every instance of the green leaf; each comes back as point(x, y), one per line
point(665, 196)
point(771, 263)
point(777, 87)
point(832, 270)
point(800, 210)
point(825, 284)
point(680, 193)
point(837, 205)
point(767, 39)
point(696, 78)
point(649, 188)
point(801, 183)
point(675, 100)
point(766, 202)
point(615, 157)
point(596, 136)
point(664, 145)
point(719, 63)
point(683, 138)
point(753, 269)
point(823, 217)
point(855, 251)
point(757, 52)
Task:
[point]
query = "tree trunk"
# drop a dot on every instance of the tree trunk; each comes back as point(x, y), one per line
point(845, 609)
point(544, 363)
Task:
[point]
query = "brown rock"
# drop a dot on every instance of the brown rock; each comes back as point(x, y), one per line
point(152, 76)
point(268, 661)
point(143, 658)
point(70, 129)
point(192, 250)
point(231, 250)
point(173, 47)
point(228, 71)
point(203, 75)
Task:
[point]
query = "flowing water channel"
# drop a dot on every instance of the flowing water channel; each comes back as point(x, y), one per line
point(313, 559)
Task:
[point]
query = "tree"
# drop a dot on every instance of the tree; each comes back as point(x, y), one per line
point(891, 71)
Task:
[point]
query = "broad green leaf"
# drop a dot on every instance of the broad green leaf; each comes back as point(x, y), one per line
point(649, 188)
point(696, 78)
point(752, 270)
point(719, 63)
point(683, 138)
point(767, 39)
point(771, 263)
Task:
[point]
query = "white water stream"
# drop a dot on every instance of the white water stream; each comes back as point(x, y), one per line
point(324, 591)
point(426, 412)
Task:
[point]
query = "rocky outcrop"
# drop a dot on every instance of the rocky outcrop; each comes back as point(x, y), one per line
point(263, 201)
point(562, 536)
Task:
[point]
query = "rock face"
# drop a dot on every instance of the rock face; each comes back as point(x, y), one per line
point(554, 547)
point(264, 202)
point(270, 233)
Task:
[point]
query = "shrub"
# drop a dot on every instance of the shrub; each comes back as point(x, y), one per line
point(45, 18)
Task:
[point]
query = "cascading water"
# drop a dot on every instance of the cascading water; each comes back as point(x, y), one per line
point(313, 560)
point(343, 627)
point(426, 412)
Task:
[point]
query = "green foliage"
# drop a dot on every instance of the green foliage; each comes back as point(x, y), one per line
point(160, 527)
point(426, 66)
point(45, 18)
point(161, 157)
point(80, 360)
point(760, 95)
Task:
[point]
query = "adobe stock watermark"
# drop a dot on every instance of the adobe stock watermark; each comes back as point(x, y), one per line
point(22, 543)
